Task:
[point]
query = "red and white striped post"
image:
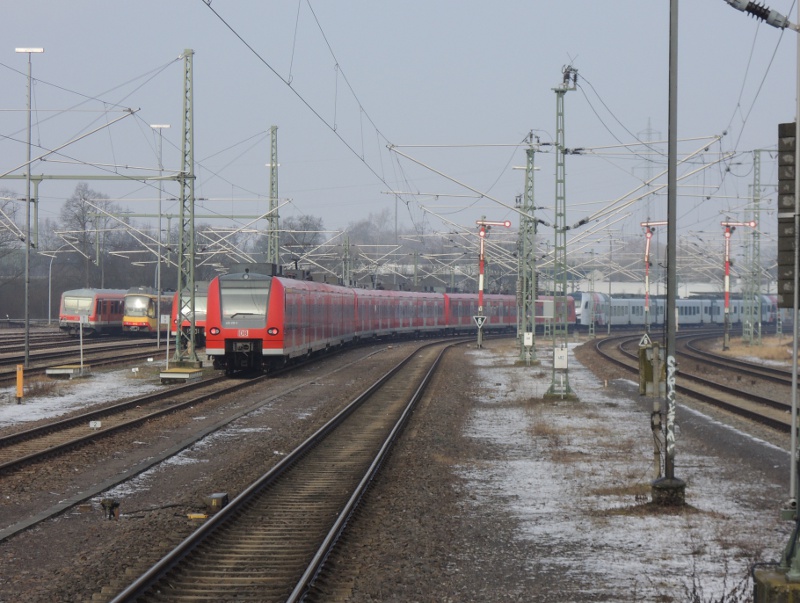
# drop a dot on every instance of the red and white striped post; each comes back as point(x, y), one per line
point(729, 228)
point(483, 230)
point(648, 233)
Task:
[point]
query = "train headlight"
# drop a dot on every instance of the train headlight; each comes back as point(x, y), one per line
point(214, 331)
point(272, 331)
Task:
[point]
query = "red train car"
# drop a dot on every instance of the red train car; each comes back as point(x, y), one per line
point(381, 313)
point(200, 303)
point(500, 311)
point(100, 311)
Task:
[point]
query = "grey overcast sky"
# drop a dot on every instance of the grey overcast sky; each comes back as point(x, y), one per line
point(455, 85)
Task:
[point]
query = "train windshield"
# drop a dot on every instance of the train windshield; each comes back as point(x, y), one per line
point(138, 305)
point(200, 303)
point(77, 305)
point(243, 303)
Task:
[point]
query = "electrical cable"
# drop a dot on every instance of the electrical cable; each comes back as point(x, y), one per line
point(300, 97)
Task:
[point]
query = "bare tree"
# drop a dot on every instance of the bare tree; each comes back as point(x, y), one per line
point(300, 235)
point(85, 219)
point(10, 230)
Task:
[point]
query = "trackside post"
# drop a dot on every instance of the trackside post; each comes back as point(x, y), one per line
point(20, 382)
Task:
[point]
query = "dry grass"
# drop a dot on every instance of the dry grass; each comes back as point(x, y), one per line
point(771, 348)
point(43, 386)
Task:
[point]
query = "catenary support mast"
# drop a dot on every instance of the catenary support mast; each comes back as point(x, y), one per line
point(527, 263)
point(273, 240)
point(560, 381)
point(185, 342)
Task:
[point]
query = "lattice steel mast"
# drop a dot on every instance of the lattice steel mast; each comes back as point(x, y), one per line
point(751, 327)
point(527, 263)
point(560, 381)
point(185, 342)
point(273, 240)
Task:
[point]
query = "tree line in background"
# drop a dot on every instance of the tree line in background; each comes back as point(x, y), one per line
point(94, 244)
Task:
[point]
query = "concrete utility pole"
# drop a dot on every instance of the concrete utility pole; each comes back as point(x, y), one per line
point(185, 351)
point(160, 128)
point(559, 385)
point(670, 490)
point(770, 585)
point(29, 52)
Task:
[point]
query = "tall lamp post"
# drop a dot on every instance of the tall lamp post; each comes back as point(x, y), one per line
point(29, 52)
point(50, 281)
point(160, 128)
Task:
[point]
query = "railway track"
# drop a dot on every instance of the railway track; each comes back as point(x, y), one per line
point(14, 342)
point(772, 410)
point(24, 448)
point(271, 541)
point(111, 353)
point(26, 454)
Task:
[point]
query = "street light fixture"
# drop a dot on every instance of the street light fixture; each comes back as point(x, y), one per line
point(50, 282)
point(29, 52)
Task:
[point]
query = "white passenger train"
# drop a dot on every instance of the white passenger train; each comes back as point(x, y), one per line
point(602, 310)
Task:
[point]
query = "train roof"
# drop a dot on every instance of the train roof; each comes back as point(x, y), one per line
point(199, 287)
point(86, 292)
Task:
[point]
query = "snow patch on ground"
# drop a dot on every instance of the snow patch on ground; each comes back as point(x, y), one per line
point(100, 388)
point(576, 475)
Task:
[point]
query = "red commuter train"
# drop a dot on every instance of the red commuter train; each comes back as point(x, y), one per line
point(255, 321)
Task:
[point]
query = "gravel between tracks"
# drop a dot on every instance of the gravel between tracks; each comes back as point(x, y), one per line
point(494, 494)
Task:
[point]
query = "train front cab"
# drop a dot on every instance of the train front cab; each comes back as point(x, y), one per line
point(142, 308)
point(236, 321)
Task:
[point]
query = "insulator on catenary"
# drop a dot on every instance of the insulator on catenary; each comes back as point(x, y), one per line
point(760, 11)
